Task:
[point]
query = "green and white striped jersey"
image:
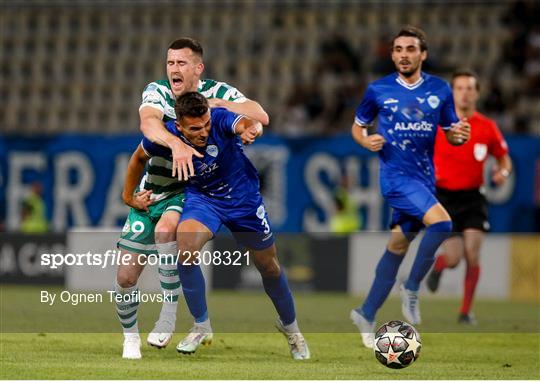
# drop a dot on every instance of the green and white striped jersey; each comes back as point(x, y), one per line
point(158, 94)
point(158, 178)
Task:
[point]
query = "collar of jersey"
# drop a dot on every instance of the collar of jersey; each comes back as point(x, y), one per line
point(185, 140)
point(410, 86)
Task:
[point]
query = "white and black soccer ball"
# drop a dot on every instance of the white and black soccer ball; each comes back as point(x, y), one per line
point(397, 344)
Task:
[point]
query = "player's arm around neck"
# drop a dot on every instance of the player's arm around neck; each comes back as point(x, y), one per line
point(152, 127)
point(135, 169)
point(373, 142)
point(249, 108)
point(248, 130)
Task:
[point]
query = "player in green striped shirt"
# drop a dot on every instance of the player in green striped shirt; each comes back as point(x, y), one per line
point(157, 205)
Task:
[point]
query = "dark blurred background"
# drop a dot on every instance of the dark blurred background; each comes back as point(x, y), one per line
point(80, 66)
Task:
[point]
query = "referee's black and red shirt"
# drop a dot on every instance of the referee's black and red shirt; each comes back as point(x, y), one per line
point(461, 167)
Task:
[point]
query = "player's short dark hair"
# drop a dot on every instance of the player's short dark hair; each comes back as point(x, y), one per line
point(187, 42)
point(410, 31)
point(465, 72)
point(191, 104)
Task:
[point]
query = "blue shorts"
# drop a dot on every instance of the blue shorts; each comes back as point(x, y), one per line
point(251, 229)
point(410, 201)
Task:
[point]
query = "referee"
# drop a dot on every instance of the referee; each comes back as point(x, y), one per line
point(459, 180)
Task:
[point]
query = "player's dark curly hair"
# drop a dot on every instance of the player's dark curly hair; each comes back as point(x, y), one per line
point(191, 104)
point(187, 42)
point(410, 31)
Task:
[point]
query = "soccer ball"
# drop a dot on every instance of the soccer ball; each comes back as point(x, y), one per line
point(397, 344)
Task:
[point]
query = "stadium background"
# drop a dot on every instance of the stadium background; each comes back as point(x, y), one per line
point(73, 72)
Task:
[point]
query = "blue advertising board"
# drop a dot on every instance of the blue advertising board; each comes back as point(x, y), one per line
point(82, 178)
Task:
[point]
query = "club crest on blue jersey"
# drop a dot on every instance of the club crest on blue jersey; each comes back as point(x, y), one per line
point(433, 101)
point(408, 119)
point(212, 150)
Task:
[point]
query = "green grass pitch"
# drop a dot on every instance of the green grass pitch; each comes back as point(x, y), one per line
point(84, 342)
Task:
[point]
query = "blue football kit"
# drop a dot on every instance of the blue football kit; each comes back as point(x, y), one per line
point(408, 120)
point(225, 189)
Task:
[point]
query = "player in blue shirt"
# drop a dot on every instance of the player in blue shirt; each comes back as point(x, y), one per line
point(410, 105)
point(224, 191)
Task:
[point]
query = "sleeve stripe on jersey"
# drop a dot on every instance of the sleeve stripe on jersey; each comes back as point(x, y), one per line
point(154, 105)
point(229, 96)
point(146, 152)
point(233, 127)
point(240, 99)
point(222, 91)
point(358, 121)
point(156, 96)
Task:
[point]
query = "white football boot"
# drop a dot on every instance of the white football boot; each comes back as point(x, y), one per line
point(297, 343)
point(410, 305)
point(132, 346)
point(365, 327)
point(162, 333)
point(199, 335)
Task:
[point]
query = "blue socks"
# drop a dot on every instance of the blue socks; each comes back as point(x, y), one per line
point(433, 238)
point(280, 294)
point(385, 277)
point(194, 289)
point(388, 266)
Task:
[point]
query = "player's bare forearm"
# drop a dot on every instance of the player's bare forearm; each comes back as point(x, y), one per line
point(153, 128)
point(248, 108)
point(502, 170)
point(505, 163)
point(374, 142)
point(135, 169)
point(359, 133)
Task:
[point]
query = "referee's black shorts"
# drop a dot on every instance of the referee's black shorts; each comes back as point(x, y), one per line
point(467, 208)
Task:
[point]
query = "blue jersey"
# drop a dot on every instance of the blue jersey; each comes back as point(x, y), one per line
point(408, 120)
point(224, 176)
